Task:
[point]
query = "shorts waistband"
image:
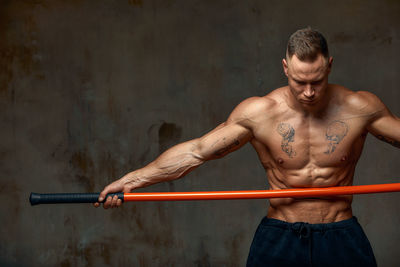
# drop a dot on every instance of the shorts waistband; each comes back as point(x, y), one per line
point(311, 226)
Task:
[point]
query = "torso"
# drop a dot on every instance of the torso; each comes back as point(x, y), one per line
point(301, 150)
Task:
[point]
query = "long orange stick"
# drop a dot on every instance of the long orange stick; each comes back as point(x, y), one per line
point(36, 199)
point(258, 194)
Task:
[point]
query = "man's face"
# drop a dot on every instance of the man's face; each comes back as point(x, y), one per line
point(307, 80)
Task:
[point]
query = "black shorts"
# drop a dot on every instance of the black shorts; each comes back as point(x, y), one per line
point(278, 243)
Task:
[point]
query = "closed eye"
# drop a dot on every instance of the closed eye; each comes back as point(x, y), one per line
point(316, 82)
point(299, 82)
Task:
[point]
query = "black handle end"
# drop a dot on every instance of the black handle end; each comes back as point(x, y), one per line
point(36, 199)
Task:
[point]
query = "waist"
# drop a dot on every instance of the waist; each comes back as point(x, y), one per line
point(311, 210)
point(312, 226)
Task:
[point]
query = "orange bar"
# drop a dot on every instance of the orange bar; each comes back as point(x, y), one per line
point(259, 194)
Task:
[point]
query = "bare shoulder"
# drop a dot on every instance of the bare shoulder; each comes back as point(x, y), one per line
point(254, 105)
point(361, 102)
point(253, 108)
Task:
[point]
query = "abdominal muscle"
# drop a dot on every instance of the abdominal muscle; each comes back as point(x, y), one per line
point(311, 210)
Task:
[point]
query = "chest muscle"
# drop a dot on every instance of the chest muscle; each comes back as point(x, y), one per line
point(295, 143)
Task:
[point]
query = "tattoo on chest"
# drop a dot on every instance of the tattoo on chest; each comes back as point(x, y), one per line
point(287, 132)
point(389, 141)
point(335, 133)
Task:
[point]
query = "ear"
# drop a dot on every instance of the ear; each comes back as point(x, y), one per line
point(285, 67)
point(330, 61)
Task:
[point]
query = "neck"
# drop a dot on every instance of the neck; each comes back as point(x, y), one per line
point(315, 110)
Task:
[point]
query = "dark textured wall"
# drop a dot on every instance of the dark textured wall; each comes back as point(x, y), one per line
point(90, 90)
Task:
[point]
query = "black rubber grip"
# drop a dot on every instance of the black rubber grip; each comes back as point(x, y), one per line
point(59, 198)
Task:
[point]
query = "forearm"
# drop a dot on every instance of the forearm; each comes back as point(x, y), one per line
point(172, 164)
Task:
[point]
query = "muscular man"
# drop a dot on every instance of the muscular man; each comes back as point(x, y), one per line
point(307, 134)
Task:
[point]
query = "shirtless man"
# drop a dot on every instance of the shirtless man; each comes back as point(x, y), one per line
point(307, 134)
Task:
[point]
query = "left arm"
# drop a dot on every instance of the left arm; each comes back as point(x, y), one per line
point(383, 124)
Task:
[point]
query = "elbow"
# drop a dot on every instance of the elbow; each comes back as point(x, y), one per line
point(197, 151)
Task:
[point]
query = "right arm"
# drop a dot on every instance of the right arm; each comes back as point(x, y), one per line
point(182, 158)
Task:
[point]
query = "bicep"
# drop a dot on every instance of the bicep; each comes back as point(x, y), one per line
point(223, 140)
point(386, 127)
point(237, 130)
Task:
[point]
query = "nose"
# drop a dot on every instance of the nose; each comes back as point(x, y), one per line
point(309, 92)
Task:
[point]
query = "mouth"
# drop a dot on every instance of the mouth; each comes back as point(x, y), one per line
point(307, 102)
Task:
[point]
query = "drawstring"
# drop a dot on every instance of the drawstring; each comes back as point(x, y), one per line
point(303, 229)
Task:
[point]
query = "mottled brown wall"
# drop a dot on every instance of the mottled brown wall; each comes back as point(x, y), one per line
point(90, 90)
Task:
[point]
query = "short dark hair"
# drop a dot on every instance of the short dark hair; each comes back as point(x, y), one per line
point(307, 44)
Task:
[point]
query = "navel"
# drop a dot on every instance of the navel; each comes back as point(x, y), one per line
point(344, 158)
point(280, 161)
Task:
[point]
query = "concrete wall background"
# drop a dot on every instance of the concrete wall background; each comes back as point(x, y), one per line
point(90, 90)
